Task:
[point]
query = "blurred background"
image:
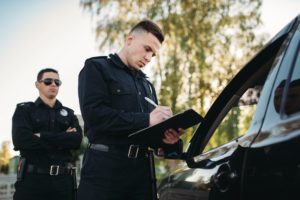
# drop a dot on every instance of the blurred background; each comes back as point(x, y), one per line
point(207, 42)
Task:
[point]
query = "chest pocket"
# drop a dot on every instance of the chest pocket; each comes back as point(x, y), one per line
point(117, 89)
point(64, 119)
point(40, 121)
point(122, 97)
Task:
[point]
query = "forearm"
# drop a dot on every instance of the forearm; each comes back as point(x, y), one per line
point(29, 142)
point(62, 140)
point(23, 136)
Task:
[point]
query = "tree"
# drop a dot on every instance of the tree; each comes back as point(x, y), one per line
point(4, 156)
point(207, 41)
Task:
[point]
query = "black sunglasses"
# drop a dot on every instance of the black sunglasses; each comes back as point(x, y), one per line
point(48, 81)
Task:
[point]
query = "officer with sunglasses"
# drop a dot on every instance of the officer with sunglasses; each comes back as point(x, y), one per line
point(45, 132)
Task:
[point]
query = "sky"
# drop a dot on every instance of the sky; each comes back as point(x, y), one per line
point(36, 34)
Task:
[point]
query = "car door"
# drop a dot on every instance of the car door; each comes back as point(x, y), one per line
point(216, 155)
point(272, 166)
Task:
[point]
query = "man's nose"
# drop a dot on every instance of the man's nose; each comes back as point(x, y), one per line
point(148, 56)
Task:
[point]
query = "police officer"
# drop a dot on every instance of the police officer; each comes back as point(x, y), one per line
point(45, 132)
point(111, 96)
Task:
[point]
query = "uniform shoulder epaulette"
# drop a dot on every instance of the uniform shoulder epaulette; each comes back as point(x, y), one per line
point(25, 104)
point(96, 57)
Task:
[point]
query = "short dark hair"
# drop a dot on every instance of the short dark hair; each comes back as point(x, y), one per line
point(41, 73)
point(149, 27)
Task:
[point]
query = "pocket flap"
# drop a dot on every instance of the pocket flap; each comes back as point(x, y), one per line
point(119, 89)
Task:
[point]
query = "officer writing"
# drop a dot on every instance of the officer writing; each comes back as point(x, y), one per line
point(45, 132)
point(111, 95)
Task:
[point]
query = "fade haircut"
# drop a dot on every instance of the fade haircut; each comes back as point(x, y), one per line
point(41, 73)
point(149, 27)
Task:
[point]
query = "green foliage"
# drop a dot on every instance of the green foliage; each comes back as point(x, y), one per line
point(4, 157)
point(234, 125)
point(227, 130)
point(207, 41)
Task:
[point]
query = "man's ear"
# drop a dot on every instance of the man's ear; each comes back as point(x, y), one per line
point(36, 85)
point(129, 38)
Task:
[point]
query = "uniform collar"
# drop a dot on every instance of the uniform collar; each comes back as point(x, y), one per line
point(39, 102)
point(119, 63)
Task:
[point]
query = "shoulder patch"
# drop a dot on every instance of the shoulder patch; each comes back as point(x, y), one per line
point(67, 108)
point(63, 112)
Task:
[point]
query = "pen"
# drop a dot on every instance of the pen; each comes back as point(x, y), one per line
point(151, 102)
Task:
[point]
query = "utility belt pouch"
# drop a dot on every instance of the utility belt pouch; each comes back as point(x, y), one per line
point(21, 168)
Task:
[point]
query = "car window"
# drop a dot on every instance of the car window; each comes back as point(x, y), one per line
point(237, 120)
point(243, 102)
point(292, 97)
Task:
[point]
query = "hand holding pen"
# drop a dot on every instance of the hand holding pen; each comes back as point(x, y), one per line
point(151, 102)
point(159, 114)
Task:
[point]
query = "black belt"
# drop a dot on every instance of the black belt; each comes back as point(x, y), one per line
point(131, 151)
point(53, 170)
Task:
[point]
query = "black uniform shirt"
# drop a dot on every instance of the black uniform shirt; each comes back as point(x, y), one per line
point(54, 144)
point(112, 100)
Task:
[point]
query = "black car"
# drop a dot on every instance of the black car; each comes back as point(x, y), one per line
point(259, 158)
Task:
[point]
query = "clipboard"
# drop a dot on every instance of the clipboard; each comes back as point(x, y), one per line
point(154, 134)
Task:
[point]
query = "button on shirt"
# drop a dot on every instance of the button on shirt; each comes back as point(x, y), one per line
point(54, 144)
point(112, 100)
